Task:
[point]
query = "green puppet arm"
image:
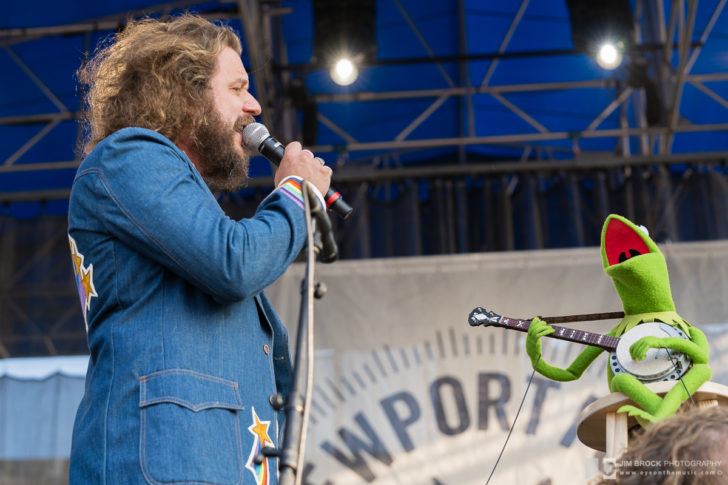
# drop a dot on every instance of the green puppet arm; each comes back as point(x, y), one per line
point(696, 348)
point(540, 328)
point(649, 406)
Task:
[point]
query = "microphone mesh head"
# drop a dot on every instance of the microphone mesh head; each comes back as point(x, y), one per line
point(254, 134)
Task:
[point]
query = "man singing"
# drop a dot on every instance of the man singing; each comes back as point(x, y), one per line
point(186, 350)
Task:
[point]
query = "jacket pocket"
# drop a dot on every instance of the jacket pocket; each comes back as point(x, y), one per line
point(189, 428)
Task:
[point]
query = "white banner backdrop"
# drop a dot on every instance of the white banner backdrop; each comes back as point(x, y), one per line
point(406, 392)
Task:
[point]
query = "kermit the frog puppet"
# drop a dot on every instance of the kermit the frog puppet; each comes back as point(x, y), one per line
point(639, 273)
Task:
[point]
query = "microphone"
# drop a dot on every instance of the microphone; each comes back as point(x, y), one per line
point(256, 137)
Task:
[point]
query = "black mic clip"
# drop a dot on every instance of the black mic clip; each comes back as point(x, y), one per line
point(266, 452)
point(325, 244)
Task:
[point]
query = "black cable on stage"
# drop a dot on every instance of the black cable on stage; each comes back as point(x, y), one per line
point(514, 421)
point(681, 379)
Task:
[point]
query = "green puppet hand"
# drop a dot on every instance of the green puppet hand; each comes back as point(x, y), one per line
point(536, 330)
point(638, 350)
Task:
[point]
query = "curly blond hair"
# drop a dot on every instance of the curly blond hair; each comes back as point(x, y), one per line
point(154, 74)
point(690, 447)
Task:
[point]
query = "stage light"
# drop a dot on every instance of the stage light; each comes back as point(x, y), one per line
point(593, 22)
point(344, 27)
point(344, 72)
point(609, 56)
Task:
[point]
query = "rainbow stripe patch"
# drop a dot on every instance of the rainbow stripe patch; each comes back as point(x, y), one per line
point(291, 187)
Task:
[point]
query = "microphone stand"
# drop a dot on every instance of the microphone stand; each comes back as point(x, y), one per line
point(298, 404)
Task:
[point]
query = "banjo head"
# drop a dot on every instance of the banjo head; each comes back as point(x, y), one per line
point(658, 364)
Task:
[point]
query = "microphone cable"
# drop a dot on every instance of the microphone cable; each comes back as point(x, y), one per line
point(669, 355)
point(528, 386)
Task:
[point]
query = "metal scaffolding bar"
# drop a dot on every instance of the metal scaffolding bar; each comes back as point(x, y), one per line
point(504, 166)
point(504, 43)
point(520, 113)
point(682, 69)
point(424, 42)
point(421, 118)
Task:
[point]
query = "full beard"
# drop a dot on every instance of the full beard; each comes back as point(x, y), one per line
point(223, 167)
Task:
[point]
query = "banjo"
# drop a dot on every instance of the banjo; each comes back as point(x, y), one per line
point(658, 365)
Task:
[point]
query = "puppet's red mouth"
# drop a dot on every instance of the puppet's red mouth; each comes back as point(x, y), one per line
point(622, 242)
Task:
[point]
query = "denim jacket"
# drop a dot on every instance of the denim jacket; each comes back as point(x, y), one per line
point(186, 350)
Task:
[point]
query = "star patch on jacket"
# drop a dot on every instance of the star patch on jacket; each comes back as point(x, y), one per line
point(259, 429)
point(84, 279)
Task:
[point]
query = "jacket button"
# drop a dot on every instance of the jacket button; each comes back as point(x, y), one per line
point(276, 401)
point(266, 349)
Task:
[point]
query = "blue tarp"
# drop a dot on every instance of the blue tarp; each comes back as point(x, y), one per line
point(38, 402)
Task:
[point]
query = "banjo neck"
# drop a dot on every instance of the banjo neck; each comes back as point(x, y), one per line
point(605, 342)
point(660, 364)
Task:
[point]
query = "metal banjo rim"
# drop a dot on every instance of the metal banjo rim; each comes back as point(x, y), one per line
point(659, 364)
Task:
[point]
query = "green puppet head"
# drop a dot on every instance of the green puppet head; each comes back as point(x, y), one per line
point(636, 266)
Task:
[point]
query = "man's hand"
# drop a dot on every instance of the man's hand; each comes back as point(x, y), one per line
point(300, 162)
